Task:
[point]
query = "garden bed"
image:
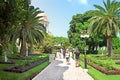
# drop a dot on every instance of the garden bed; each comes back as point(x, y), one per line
point(115, 70)
point(118, 63)
point(10, 62)
point(20, 70)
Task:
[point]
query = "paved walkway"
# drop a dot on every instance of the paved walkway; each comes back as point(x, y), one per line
point(58, 70)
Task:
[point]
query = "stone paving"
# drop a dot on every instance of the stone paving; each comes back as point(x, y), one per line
point(59, 70)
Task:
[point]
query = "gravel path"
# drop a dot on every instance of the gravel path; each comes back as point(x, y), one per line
point(59, 70)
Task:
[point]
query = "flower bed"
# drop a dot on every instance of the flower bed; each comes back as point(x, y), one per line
point(20, 70)
point(115, 70)
point(117, 63)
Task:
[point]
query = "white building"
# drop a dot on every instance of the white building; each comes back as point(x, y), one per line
point(44, 20)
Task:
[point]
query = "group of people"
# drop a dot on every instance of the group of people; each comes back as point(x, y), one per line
point(66, 54)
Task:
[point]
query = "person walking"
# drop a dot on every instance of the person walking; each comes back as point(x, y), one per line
point(64, 52)
point(67, 55)
point(77, 53)
point(61, 53)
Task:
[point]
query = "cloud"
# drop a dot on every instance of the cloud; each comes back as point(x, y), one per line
point(84, 2)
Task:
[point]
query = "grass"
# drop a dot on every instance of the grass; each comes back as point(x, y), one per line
point(112, 62)
point(97, 75)
point(20, 76)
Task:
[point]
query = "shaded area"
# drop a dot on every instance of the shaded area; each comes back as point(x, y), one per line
point(53, 72)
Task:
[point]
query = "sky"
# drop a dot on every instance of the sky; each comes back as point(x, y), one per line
point(60, 12)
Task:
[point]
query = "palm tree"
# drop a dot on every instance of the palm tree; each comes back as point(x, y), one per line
point(105, 20)
point(30, 30)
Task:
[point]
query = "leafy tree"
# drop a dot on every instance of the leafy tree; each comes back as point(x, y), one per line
point(75, 29)
point(105, 20)
point(47, 43)
point(7, 20)
point(62, 42)
point(78, 24)
point(54, 42)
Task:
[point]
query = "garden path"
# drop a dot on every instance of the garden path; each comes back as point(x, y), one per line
point(59, 70)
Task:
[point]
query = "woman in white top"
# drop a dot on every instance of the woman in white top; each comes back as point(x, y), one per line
point(67, 55)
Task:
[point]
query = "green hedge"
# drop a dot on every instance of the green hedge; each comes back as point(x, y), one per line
point(116, 51)
point(92, 52)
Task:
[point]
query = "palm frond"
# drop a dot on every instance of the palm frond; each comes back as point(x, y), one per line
point(100, 8)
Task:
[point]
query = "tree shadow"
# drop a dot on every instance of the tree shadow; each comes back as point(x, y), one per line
point(61, 68)
point(53, 72)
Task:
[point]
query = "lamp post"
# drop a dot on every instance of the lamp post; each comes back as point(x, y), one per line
point(85, 35)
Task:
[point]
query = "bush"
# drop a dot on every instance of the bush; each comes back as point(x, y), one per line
point(19, 68)
point(102, 51)
point(116, 51)
point(92, 52)
point(15, 49)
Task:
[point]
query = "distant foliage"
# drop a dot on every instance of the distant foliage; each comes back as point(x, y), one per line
point(116, 43)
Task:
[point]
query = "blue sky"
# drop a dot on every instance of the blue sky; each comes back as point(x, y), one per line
point(60, 12)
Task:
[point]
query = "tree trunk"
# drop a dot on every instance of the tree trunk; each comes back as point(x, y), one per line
point(109, 46)
point(5, 57)
point(93, 47)
point(23, 48)
point(30, 49)
point(89, 47)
